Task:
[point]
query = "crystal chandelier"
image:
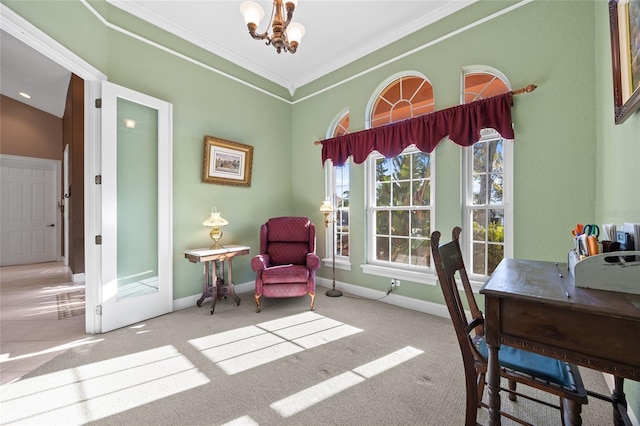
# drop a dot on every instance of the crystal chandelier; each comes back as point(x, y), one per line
point(286, 35)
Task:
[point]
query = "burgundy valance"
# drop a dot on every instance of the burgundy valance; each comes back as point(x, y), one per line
point(461, 123)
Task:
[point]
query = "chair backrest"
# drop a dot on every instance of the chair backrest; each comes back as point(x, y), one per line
point(288, 239)
point(448, 260)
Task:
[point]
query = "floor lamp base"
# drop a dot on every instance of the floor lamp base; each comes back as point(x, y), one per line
point(334, 293)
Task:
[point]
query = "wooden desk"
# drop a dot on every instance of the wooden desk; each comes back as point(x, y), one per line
point(213, 286)
point(526, 306)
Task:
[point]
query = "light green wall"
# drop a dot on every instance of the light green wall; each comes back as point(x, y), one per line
point(618, 156)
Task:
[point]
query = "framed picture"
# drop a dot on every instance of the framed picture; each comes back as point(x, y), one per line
point(226, 162)
point(624, 20)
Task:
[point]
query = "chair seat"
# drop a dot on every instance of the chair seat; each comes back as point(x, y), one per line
point(285, 274)
point(540, 366)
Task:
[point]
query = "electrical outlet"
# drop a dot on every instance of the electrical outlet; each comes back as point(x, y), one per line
point(397, 283)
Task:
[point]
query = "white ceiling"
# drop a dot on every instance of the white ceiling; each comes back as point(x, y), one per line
point(22, 69)
point(337, 33)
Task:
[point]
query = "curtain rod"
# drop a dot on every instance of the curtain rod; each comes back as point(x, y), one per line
point(528, 89)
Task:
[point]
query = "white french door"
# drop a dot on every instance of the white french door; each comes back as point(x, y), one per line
point(136, 185)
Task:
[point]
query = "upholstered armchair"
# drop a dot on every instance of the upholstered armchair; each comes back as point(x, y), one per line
point(287, 263)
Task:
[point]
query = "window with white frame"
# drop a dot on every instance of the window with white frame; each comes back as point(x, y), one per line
point(337, 178)
point(487, 183)
point(400, 189)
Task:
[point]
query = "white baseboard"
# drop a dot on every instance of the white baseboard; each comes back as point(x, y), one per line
point(77, 278)
point(190, 301)
point(393, 299)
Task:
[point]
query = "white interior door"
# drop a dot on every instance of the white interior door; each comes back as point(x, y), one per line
point(28, 217)
point(136, 207)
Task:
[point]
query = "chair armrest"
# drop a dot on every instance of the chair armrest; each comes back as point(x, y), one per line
point(260, 262)
point(313, 261)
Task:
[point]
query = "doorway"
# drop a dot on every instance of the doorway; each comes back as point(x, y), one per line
point(19, 28)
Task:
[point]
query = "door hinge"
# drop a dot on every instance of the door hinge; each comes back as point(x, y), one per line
point(98, 179)
point(98, 103)
point(99, 310)
point(98, 239)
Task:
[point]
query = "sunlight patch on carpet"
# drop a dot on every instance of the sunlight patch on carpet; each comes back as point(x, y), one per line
point(94, 391)
point(242, 421)
point(244, 348)
point(310, 396)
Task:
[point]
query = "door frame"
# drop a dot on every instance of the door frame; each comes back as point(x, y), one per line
point(33, 37)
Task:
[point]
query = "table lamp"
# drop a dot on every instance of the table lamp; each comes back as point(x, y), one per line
point(215, 221)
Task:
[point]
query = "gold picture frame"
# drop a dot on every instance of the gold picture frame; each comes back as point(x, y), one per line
point(624, 22)
point(226, 162)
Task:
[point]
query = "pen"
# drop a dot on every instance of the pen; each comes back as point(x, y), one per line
point(562, 282)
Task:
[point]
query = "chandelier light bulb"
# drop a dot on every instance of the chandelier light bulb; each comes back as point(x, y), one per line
point(295, 32)
point(252, 12)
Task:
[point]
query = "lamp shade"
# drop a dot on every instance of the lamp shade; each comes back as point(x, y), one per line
point(215, 220)
point(295, 32)
point(252, 12)
point(326, 207)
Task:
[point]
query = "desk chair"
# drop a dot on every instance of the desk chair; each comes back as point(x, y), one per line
point(516, 365)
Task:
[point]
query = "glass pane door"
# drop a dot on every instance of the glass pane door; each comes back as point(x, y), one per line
point(136, 207)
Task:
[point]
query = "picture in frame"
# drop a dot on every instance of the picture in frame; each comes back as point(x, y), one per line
point(226, 162)
point(624, 22)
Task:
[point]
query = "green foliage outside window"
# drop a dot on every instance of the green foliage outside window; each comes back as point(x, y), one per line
point(403, 217)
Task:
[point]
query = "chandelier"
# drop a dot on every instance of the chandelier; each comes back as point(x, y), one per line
point(286, 35)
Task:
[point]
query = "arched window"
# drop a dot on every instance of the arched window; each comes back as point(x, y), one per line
point(337, 190)
point(405, 97)
point(399, 189)
point(487, 182)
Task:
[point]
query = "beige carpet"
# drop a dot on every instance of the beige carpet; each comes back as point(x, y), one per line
point(351, 362)
point(41, 313)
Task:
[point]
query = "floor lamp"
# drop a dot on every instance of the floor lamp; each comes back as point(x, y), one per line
point(326, 208)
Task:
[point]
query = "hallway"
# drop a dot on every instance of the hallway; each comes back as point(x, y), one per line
point(41, 315)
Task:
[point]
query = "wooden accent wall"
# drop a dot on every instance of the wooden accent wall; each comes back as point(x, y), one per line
point(29, 132)
point(73, 135)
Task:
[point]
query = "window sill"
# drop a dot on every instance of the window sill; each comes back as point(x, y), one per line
point(427, 277)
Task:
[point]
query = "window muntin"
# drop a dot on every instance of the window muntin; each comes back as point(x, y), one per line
point(487, 189)
point(487, 207)
point(399, 213)
point(401, 210)
point(403, 98)
point(482, 85)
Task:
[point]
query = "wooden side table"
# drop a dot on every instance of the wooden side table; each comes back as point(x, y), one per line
point(213, 286)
